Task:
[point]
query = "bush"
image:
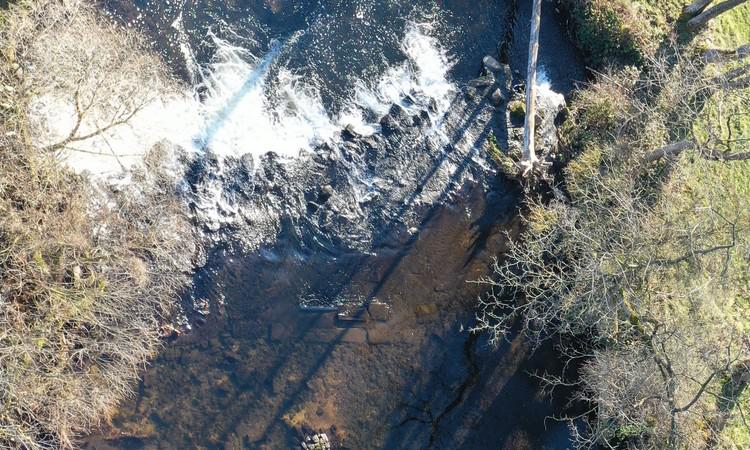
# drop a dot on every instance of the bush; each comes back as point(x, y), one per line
point(613, 31)
point(88, 275)
point(85, 289)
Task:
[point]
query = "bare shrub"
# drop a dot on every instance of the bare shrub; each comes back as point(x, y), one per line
point(83, 75)
point(88, 275)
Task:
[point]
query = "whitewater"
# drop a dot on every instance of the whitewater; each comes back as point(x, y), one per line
point(245, 104)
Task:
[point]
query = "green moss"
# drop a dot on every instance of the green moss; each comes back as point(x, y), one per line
point(505, 163)
point(517, 110)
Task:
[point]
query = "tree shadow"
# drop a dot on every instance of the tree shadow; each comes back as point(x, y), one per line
point(290, 351)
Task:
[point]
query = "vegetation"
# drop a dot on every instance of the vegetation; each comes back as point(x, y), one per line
point(88, 275)
point(613, 30)
point(640, 265)
point(630, 32)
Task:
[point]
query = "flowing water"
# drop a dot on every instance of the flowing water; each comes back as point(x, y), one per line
point(334, 158)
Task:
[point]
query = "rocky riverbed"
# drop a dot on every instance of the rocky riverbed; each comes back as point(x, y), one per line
point(334, 296)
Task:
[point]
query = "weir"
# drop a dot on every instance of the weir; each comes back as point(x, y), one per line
point(333, 297)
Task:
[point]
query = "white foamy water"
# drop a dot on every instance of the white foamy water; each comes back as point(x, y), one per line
point(240, 117)
point(119, 148)
point(423, 75)
point(248, 106)
point(545, 92)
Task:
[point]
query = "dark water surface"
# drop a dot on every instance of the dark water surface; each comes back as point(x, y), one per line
point(397, 369)
point(339, 41)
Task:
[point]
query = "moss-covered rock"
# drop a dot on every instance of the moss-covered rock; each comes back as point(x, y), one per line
point(517, 110)
point(506, 164)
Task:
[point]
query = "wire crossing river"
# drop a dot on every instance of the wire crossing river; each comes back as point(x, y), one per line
point(335, 158)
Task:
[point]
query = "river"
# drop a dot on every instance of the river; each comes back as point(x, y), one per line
point(340, 176)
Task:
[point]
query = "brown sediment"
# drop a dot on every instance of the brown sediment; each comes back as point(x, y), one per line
point(266, 371)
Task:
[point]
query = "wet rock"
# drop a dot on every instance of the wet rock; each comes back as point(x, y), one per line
point(484, 81)
point(423, 118)
point(505, 78)
point(497, 97)
point(316, 442)
point(491, 64)
point(247, 163)
point(551, 104)
point(398, 113)
point(326, 192)
point(432, 106)
point(389, 125)
point(201, 306)
point(312, 207)
point(350, 134)
point(409, 101)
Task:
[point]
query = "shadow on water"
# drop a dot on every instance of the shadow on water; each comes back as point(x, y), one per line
point(294, 394)
point(258, 74)
point(260, 372)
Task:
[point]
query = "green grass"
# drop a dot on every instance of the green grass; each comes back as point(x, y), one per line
point(627, 32)
point(731, 29)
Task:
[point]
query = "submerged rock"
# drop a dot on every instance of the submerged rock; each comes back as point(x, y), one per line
point(484, 81)
point(379, 311)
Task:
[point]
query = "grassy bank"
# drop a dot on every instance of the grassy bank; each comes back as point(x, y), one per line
point(629, 32)
point(724, 187)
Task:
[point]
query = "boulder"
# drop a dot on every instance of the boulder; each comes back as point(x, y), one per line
point(350, 133)
point(497, 97)
point(492, 64)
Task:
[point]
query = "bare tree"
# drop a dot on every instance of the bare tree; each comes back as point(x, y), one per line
point(700, 16)
point(93, 88)
point(647, 277)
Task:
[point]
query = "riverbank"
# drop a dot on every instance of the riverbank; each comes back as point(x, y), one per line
point(623, 206)
point(88, 275)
